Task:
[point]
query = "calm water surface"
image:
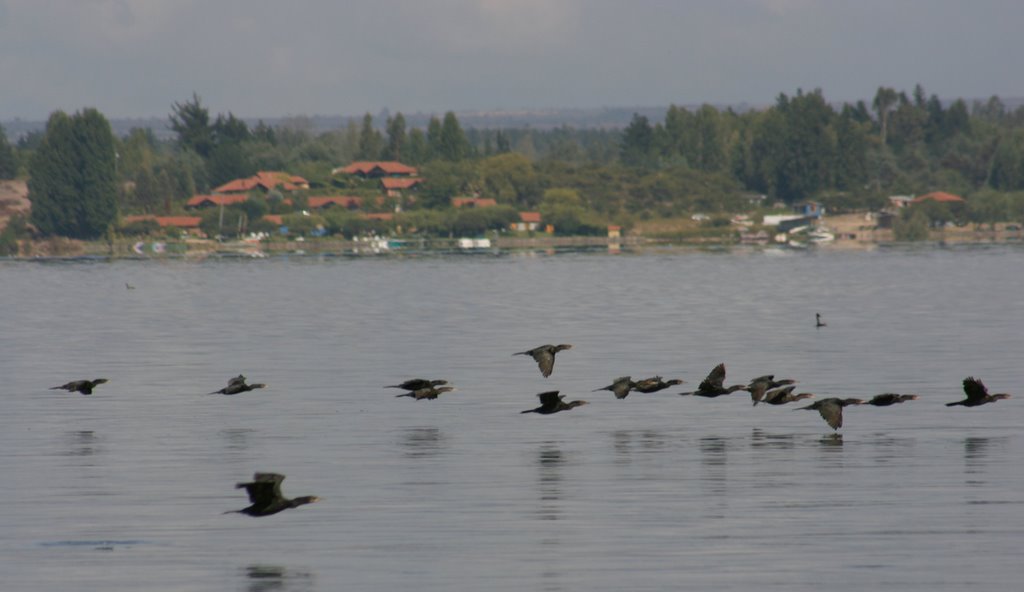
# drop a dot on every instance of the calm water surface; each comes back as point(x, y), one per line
point(125, 490)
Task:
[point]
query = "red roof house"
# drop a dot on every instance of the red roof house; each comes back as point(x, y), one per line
point(377, 169)
point(265, 181)
point(205, 201)
point(345, 201)
point(940, 196)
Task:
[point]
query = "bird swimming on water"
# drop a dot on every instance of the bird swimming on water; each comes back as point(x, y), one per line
point(551, 402)
point(82, 386)
point(655, 384)
point(429, 393)
point(238, 385)
point(620, 386)
point(265, 495)
point(977, 394)
point(713, 385)
point(886, 399)
point(415, 384)
point(831, 409)
point(544, 355)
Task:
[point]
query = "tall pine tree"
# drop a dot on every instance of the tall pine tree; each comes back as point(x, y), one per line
point(72, 176)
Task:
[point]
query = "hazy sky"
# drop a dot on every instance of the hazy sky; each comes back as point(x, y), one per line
point(263, 58)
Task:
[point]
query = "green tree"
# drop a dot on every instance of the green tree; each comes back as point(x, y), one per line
point(989, 207)
point(396, 138)
point(191, 121)
point(911, 226)
point(72, 181)
point(370, 140)
point(8, 160)
point(638, 142)
point(885, 98)
point(418, 151)
point(509, 178)
point(1007, 171)
point(452, 143)
point(433, 138)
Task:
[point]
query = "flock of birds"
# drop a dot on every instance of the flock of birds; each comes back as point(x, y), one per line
point(265, 494)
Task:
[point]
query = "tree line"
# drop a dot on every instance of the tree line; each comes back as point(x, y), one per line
point(704, 159)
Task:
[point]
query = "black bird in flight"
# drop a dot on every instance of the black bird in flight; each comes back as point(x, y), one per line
point(415, 384)
point(977, 394)
point(238, 385)
point(544, 356)
point(762, 384)
point(620, 386)
point(655, 384)
point(713, 385)
point(831, 409)
point(818, 322)
point(551, 402)
point(265, 495)
point(886, 399)
point(82, 386)
point(785, 395)
point(429, 393)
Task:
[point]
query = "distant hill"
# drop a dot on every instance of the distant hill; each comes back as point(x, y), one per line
point(602, 117)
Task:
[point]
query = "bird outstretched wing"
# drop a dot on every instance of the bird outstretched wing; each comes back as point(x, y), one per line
point(975, 389)
point(265, 487)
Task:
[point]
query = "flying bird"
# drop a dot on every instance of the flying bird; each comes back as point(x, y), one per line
point(551, 402)
point(238, 385)
point(544, 356)
point(785, 395)
point(977, 394)
point(265, 495)
point(415, 384)
point(886, 399)
point(831, 409)
point(762, 384)
point(655, 384)
point(620, 386)
point(82, 386)
point(712, 386)
point(818, 322)
point(430, 392)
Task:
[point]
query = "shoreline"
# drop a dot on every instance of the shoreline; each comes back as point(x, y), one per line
point(156, 249)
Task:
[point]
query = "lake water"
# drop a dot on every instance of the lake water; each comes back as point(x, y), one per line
point(126, 489)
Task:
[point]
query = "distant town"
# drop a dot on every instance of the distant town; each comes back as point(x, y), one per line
point(905, 167)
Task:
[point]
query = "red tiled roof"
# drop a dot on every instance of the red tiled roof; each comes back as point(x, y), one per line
point(529, 217)
point(386, 216)
point(274, 218)
point(473, 202)
point(367, 167)
point(938, 196)
point(179, 221)
point(345, 201)
point(265, 180)
point(238, 186)
point(400, 182)
point(217, 200)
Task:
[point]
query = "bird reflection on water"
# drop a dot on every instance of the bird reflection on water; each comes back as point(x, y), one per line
point(550, 461)
point(272, 578)
point(81, 443)
point(423, 442)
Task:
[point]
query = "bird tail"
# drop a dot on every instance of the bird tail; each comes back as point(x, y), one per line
point(954, 404)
